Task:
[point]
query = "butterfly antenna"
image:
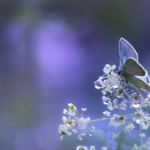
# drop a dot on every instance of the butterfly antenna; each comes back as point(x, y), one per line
point(111, 63)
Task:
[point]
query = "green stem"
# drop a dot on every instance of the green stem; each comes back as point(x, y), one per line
point(99, 120)
point(77, 113)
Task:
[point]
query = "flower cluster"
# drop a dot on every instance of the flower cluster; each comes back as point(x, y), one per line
point(73, 122)
point(117, 95)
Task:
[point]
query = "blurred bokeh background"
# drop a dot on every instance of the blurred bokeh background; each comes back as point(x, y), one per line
point(51, 52)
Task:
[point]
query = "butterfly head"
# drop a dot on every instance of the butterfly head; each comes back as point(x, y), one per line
point(119, 72)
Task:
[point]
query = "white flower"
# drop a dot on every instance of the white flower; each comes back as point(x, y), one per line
point(115, 101)
point(81, 148)
point(65, 111)
point(63, 129)
point(142, 135)
point(135, 147)
point(129, 128)
point(146, 118)
point(114, 136)
point(104, 148)
point(117, 120)
point(81, 136)
point(144, 126)
point(107, 69)
point(104, 92)
point(71, 112)
point(92, 147)
point(72, 109)
point(120, 92)
point(123, 105)
point(92, 129)
point(107, 113)
point(83, 109)
point(64, 119)
point(82, 122)
point(135, 98)
point(97, 87)
point(105, 100)
point(139, 114)
point(74, 131)
point(113, 67)
point(148, 141)
point(109, 106)
point(98, 83)
point(143, 147)
point(70, 123)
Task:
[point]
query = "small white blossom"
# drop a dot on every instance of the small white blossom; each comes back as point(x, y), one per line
point(70, 123)
point(81, 148)
point(97, 87)
point(142, 135)
point(104, 148)
point(104, 92)
point(81, 136)
point(139, 114)
point(135, 147)
point(123, 105)
point(92, 129)
point(64, 119)
point(105, 100)
point(72, 109)
point(72, 112)
point(143, 147)
point(144, 126)
point(74, 131)
point(110, 106)
point(114, 136)
point(63, 130)
point(146, 118)
point(83, 109)
point(113, 67)
point(107, 113)
point(92, 147)
point(82, 122)
point(115, 101)
point(135, 98)
point(107, 69)
point(65, 111)
point(117, 120)
point(148, 141)
point(129, 128)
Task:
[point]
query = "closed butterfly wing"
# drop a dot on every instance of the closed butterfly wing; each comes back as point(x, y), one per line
point(145, 79)
point(138, 84)
point(126, 51)
point(133, 68)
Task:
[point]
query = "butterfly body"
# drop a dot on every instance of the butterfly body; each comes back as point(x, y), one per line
point(130, 70)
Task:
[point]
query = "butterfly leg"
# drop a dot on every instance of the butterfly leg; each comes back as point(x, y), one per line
point(129, 89)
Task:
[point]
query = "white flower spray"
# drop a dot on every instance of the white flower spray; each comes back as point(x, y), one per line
point(116, 95)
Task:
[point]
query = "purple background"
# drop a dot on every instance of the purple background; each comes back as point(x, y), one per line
point(51, 52)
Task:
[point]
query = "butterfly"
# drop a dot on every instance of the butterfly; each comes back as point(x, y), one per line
point(130, 70)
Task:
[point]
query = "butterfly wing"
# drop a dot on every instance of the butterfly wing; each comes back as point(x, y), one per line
point(138, 84)
point(133, 68)
point(126, 51)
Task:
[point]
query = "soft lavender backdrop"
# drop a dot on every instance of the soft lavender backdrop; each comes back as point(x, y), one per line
point(51, 52)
